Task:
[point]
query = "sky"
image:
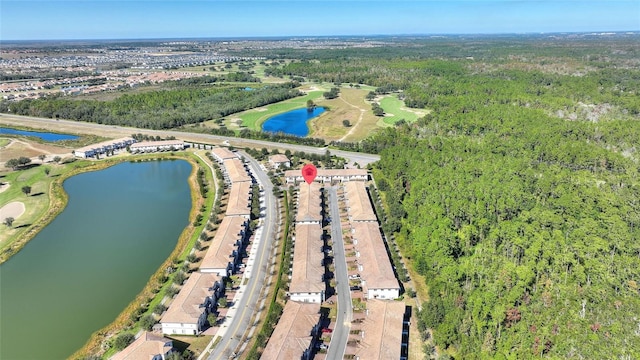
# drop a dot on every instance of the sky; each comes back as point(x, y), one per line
point(132, 19)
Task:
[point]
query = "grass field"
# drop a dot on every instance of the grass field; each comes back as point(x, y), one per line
point(254, 118)
point(36, 203)
point(365, 123)
point(4, 142)
point(395, 111)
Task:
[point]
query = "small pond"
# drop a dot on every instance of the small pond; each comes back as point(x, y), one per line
point(42, 135)
point(292, 122)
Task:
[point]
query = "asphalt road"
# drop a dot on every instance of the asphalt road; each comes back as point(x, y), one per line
point(121, 131)
point(246, 306)
point(340, 335)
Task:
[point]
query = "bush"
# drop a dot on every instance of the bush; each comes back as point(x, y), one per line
point(179, 278)
point(159, 309)
point(123, 340)
point(147, 322)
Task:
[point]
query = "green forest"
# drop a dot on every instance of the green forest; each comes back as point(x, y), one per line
point(518, 199)
point(186, 102)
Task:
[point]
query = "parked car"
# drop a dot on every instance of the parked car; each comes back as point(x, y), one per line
point(327, 331)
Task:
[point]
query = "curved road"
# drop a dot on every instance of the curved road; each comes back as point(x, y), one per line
point(121, 131)
point(256, 273)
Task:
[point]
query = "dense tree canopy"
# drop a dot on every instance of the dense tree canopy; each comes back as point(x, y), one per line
point(161, 109)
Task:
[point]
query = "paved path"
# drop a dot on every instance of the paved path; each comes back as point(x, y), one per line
point(340, 335)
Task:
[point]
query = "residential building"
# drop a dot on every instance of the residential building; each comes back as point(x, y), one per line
point(374, 266)
point(226, 247)
point(239, 203)
point(147, 346)
point(381, 332)
point(278, 160)
point(187, 313)
point(221, 154)
point(103, 147)
point(307, 272)
point(296, 333)
point(329, 175)
point(236, 170)
point(309, 203)
point(153, 146)
point(359, 207)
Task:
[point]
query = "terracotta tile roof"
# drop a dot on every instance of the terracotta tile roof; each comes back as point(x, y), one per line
point(145, 347)
point(223, 153)
point(377, 270)
point(382, 329)
point(239, 195)
point(185, 308)
point(236, 171)
point(221, 248)
point(278, 159)
point(309, 203)
point(307, 270)
point(292, 335)
point(359, 204)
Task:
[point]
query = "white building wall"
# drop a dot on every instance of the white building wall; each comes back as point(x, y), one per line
point(179, 329)
point(306, 297)
point(384, 294)
point(220, 272)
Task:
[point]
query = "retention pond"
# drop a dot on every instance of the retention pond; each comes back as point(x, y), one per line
point(87, 265)
point(292, 122)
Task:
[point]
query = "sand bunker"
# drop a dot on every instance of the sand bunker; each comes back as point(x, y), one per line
point(3, 186)
point(13, 209)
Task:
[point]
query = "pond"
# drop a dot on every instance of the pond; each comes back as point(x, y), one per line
point(42, 135)
point(292, 122)
point(86, 266)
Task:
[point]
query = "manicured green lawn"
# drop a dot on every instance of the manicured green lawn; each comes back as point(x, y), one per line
point(392, 105)
point(254, 118)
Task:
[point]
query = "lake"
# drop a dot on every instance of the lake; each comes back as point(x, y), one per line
point(292, 122)
point(87, 265)
point(42, 135)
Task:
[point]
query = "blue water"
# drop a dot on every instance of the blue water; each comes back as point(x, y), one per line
point(90, 262)
point(292, 122)
point(42, 135)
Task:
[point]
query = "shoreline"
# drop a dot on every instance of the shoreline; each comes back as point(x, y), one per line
point(58, 200)
point(94, 342)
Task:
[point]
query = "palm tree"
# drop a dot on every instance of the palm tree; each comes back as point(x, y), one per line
point(8, 221)
point(26, 190)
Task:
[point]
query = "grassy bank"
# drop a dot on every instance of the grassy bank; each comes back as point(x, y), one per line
point(45, 201)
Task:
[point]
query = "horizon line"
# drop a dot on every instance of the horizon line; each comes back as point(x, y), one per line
point(591, 32)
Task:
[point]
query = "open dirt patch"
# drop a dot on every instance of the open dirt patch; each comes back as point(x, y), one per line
point(18, 148)
point(13, 209)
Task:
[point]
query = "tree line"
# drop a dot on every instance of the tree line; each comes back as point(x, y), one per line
point(162, 109)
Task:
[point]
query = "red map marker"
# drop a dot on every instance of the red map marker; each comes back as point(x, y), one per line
point(309, 173)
